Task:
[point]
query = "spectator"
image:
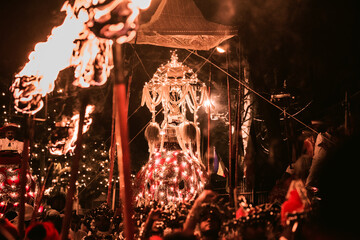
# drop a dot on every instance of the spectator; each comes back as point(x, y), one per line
point(27, 217)
point(55, 213)
point(9, 142)
point(325, 143)
point(8, 231)
point(210, 222)
point(41, 231)
point(207, 217)
point(154, 224)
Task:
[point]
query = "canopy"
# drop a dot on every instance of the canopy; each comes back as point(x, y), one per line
point(180, 24)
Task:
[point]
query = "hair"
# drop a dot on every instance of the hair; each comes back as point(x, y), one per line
point(179, 236)
point(103, 223)
point(57, 201)
point(42, 231)
point(211, 209)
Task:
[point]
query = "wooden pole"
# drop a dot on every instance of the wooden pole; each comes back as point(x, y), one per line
point(23, 168)
point(41, 194)
point(112, 151)
point(74, 174)
point(122, 141)
point(208, 126)
point(238, 138)
point(230, 133)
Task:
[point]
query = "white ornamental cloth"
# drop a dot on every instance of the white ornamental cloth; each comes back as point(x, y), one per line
point(6, 144)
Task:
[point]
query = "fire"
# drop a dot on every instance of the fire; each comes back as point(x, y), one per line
point(68, 143)
point(83, 41)
point(37, 77)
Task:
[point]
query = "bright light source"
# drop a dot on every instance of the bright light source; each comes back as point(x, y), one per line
point(220, 49)
point(142, 4)
point(207, 103)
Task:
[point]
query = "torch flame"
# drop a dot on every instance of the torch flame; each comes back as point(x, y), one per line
point(52, 56)
point(84, 41)
point(68, 144)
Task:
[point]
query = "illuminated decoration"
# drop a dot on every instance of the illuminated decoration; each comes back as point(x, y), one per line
point(84, 40)
point(170, 176)
point(68, 143)
point(177, 88)
point(174, 172)
point(10, 187)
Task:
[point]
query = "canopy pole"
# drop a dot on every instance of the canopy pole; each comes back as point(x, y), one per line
point(112, 151)
point(122, 141)
point(74, 175)
point(230, 134)
point(208, 126)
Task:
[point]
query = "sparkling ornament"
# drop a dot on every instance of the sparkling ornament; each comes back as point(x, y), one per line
point(10, 187)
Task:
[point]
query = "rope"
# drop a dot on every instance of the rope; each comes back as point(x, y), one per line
point(145, 126)
point(255, 92)
point(142, 64)
point(206, 60)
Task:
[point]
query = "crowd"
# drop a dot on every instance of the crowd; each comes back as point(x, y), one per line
point(200, 219)
point(311, 208)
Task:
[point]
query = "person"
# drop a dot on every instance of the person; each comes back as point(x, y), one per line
point(325, 143)
point(10, 164)
point(154, 224)
point(80, 233)
point(8, 230)
point(179, 236)
point(205, 215)
point(9, 142)
point(27, 216)
point(210, 222)
point(57, 205)
point(41, 231)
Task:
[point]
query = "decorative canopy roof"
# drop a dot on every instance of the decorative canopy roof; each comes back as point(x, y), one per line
point(180, 24)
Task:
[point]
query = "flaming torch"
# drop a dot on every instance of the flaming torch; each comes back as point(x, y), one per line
point(37, 77)
point(83, 41)
point(68, 143)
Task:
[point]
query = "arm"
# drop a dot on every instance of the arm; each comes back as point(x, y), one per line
point(193, 216)
point(149, 222)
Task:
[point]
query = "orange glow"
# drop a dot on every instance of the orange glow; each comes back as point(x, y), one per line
point(68, 144)
point(50, 57)
point(74, 44)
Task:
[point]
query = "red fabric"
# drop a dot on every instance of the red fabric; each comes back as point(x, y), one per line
point(155, 238)
point(241, 213)
point(51, 232)
point(293, 204)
